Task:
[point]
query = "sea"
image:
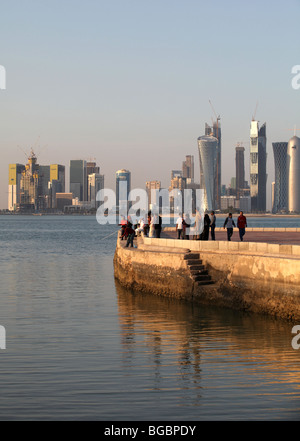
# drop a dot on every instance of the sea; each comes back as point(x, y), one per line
point(81, 347)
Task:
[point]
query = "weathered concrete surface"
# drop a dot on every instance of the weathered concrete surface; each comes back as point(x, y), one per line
point(261, 284)
point(147, 269)
point(252, 280)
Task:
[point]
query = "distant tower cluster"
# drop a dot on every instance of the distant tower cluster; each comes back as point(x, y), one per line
point(33, 187)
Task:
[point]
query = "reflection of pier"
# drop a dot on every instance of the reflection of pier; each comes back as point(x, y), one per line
point(262, 277)
point(195, 346)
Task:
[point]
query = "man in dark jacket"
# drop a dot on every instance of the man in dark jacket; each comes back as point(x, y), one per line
point(130, 236)
point(229, 223)
point(242, 224)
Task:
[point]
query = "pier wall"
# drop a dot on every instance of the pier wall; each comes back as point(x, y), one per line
point(258, 277)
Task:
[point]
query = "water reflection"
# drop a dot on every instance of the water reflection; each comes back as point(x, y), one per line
point(211, 357)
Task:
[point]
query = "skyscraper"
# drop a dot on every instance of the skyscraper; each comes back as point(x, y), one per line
point(57, 173)
point(30, 187)
point(188, 168)
point(240, 170)
point(152, 188)
point(78, 179)
point(215, 130)
point(293, 167)
point(95, 184)
point(281, 177)
point(14, 179)
point(208, 152)
point(258, 167)
point(123, 188)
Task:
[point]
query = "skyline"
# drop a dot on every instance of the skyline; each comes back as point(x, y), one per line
point(132, 89)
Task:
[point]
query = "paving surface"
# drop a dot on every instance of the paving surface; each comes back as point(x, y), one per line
point(286, 238)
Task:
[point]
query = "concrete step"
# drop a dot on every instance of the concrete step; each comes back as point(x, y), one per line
point(196, 267)
point(204, 282)
point(199, 272)
point(192, 256)
point(194, 262)
point(201, 278)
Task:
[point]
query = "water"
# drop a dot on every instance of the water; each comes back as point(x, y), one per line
point(81, 347)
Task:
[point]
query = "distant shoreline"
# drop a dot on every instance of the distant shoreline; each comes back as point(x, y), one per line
point(172, 216)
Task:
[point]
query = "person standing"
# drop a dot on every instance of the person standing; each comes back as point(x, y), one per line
point(205, 233)
point(198, 225)
point(229, 223)
point(212, 225)
point(187, 225)
point(242, 224)
point(179, 226)
point(158, 226)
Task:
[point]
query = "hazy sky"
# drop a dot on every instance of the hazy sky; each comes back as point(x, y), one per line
point(128, 82)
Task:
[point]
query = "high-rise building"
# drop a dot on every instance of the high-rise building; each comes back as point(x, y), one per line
point(188, 168)
point(44, 179)
point(95, 184)
point(91, 168)
point(240, 170)
point(208, 153)
point(30, 186)
point(78, 179)
point(14, 179)
point(215, 131)
point(63, 200)
point(176, 174)
point(123, 188)
point(152, 188)
point(281, 177)
point(258, 167)
point(58, 173)
point(293, 165)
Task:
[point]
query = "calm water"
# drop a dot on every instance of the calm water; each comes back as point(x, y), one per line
point(81, 347)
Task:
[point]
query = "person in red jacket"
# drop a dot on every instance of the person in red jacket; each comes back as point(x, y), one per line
point(242, 224)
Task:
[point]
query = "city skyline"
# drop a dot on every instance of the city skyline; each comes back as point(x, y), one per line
point(125, 93)
point(85, 174)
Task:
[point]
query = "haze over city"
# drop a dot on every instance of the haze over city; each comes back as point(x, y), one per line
point(129, 83)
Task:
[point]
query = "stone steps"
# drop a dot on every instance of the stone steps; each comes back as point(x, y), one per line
point(197, 270)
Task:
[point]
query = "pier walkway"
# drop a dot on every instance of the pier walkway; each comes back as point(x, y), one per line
point(284, 236)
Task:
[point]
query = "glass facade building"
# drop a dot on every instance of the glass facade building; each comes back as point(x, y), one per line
point(208, 153)
point(78, 179)
point(280, 202)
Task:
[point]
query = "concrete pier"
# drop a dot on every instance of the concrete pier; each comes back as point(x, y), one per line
point(261, 277)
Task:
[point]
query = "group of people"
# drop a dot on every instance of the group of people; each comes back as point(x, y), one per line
point(151, 226)
point(241, 224)
point(184, 231)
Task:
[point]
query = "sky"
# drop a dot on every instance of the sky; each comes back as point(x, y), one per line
point(129, 82)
